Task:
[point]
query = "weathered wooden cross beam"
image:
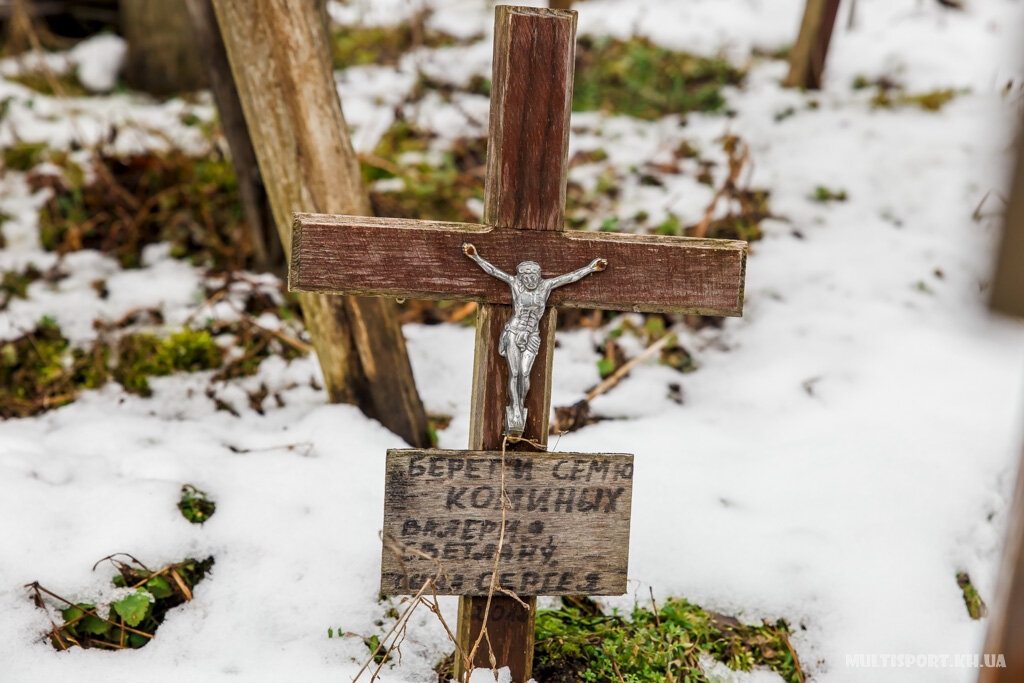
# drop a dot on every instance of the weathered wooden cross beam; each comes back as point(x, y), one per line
point(566, 515)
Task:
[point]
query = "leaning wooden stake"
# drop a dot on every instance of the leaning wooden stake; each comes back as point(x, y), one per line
point(280, 60)
point(1006, 628)
point(807, 58)
point(268, 255)
point(527, 147)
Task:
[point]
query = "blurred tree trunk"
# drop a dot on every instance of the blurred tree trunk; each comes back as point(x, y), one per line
point(162, 55)
point(280, 61)
point(18, 28)
point(266, 244)
point(807, 58)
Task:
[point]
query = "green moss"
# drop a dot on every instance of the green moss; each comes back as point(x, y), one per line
point(579, 643)
point(40, 370)
point(141, 356)
point(14, 284)
point(823, 195)
point(256, 345)
point(976, 607)
point(195, 505)
point(384, 45)
point(638, 78)
point(670, 226)
point(430, 191)
point(861, 82)
point(131, 202)
point(67, 84)
point(23, 156)
point(890, 97)
point(933, 100)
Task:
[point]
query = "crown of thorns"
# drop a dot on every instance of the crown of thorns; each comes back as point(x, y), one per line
point(528, 267)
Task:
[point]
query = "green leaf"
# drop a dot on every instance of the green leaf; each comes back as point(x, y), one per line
point(94, 625)
point(71, 613)
point(132, 608)
point(159, 587)
point(135, 640)
point(605, 366)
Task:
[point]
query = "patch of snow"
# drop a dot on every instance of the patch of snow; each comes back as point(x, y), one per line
point(502, 675)
point(99, 61)
point(717, 672)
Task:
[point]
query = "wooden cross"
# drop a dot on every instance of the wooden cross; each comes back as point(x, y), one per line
point(568, 526)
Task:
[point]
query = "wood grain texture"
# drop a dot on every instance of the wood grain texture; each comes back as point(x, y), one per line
point(807, 57)
point(531, 98)
point(424, 260)
point(268, 254)
point(281, 66)
point(1008, 286)
point(513, 625)
point(567, 532)
point(512, 206)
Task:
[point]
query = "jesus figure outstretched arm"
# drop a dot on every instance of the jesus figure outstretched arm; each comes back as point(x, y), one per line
point(489, 268)
point(596, 265)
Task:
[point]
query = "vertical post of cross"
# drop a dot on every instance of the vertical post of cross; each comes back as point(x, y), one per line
point(531, 98)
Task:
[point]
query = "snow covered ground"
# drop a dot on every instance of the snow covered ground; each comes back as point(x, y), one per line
point(843, 451)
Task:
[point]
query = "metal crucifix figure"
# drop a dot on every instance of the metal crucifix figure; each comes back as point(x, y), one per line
point(520, 340)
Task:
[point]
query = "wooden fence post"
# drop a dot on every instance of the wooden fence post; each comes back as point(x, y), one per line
point(268, 253)
point(807, 58)
point(282, 71)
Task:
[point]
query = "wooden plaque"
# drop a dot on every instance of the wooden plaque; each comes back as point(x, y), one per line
point(567, 532)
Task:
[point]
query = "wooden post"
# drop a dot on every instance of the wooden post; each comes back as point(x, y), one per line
point(807, 58)
point(281, 66)
point(268, 254)
point(527, 148)
point(1006, 626)
point(162, 56)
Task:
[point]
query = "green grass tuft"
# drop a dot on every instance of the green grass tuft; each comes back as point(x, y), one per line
point(976, 607)
point(824, 195)
point(131, 202)
point(40, 370)
point(195, 505)
point(577, 643)
point(638, 78)
point(384, 45)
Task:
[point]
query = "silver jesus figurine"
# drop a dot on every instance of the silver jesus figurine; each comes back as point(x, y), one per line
point(520, 340)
